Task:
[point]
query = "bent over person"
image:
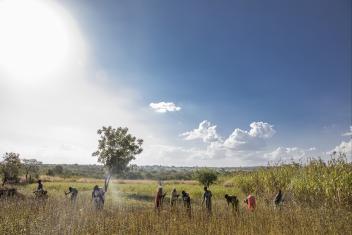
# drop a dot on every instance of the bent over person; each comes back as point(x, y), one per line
point(73, 192)
point(231, 199)
point(40, 187)
point(251, 202)
point(278, 198)
point(40, 192)
point(187, 202)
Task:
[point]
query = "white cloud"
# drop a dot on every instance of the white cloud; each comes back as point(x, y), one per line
point(250, 140)
point(163, 107)
point(343, 147)
point(348, 133)
point(261, 130)
point(240, 146)
point(205, 131)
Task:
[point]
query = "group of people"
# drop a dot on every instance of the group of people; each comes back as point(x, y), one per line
point(98, 198)
point(159, 198)
point(207, 199)
point(98, 194)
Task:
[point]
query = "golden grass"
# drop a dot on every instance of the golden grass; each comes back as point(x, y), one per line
point(123, 215)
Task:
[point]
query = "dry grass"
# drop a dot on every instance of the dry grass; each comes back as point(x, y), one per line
point(122, 215)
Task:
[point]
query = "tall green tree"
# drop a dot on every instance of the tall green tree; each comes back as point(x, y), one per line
point(10, 167)
point(116, 148)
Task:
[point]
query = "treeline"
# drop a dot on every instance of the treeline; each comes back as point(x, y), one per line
point(72, 170)
point(15, 169)
point(134, 172)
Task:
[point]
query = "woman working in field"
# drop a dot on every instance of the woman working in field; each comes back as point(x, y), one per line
point(251, 202)
point(174, 197)
point(159, 197)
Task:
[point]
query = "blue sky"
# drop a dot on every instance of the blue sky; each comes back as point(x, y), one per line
point(287, 62)
point(284, 63)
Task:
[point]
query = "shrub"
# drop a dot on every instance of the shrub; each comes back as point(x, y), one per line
point(205, 176)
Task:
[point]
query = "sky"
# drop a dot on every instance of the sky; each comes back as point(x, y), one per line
point(204, 83)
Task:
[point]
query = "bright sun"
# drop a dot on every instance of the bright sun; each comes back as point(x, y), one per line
point(34, 39)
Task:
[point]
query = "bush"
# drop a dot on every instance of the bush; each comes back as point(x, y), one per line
point(205, 176)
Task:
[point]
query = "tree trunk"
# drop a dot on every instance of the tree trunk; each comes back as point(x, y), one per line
point(107, 181)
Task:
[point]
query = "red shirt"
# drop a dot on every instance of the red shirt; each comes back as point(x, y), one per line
point(251, 202)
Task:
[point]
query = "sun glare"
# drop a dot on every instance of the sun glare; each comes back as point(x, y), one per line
point(34, 40)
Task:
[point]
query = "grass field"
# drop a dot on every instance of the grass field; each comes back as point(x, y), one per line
point(129, 209)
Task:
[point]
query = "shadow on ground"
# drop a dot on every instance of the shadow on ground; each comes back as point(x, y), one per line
point(140, 197)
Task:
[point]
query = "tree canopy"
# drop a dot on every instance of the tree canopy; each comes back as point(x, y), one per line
point(31, 168)
point(10, 167)
point(205, 176)
point(116, 148)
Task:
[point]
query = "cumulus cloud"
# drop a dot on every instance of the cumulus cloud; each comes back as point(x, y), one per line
point(343, 147)
point(241, 145)
point(261, 130)
point(205, 131)
point(163, 107)
point(238, 140)
point(252, 139)
point(348, 133)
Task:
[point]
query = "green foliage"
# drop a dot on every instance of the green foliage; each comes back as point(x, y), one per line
point(50, 172)
point(10, 167)
point(116, 148)
point(73, 170)
point(205, 176)
point(314, 183)
point(138, 172)
point(58, 169)
point(31, 169)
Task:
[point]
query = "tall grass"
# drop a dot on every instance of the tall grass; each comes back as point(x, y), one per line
point(317, 201)
point(315, 183)
point(57, 216)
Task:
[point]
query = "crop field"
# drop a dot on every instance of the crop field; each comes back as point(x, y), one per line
point(129, 209)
